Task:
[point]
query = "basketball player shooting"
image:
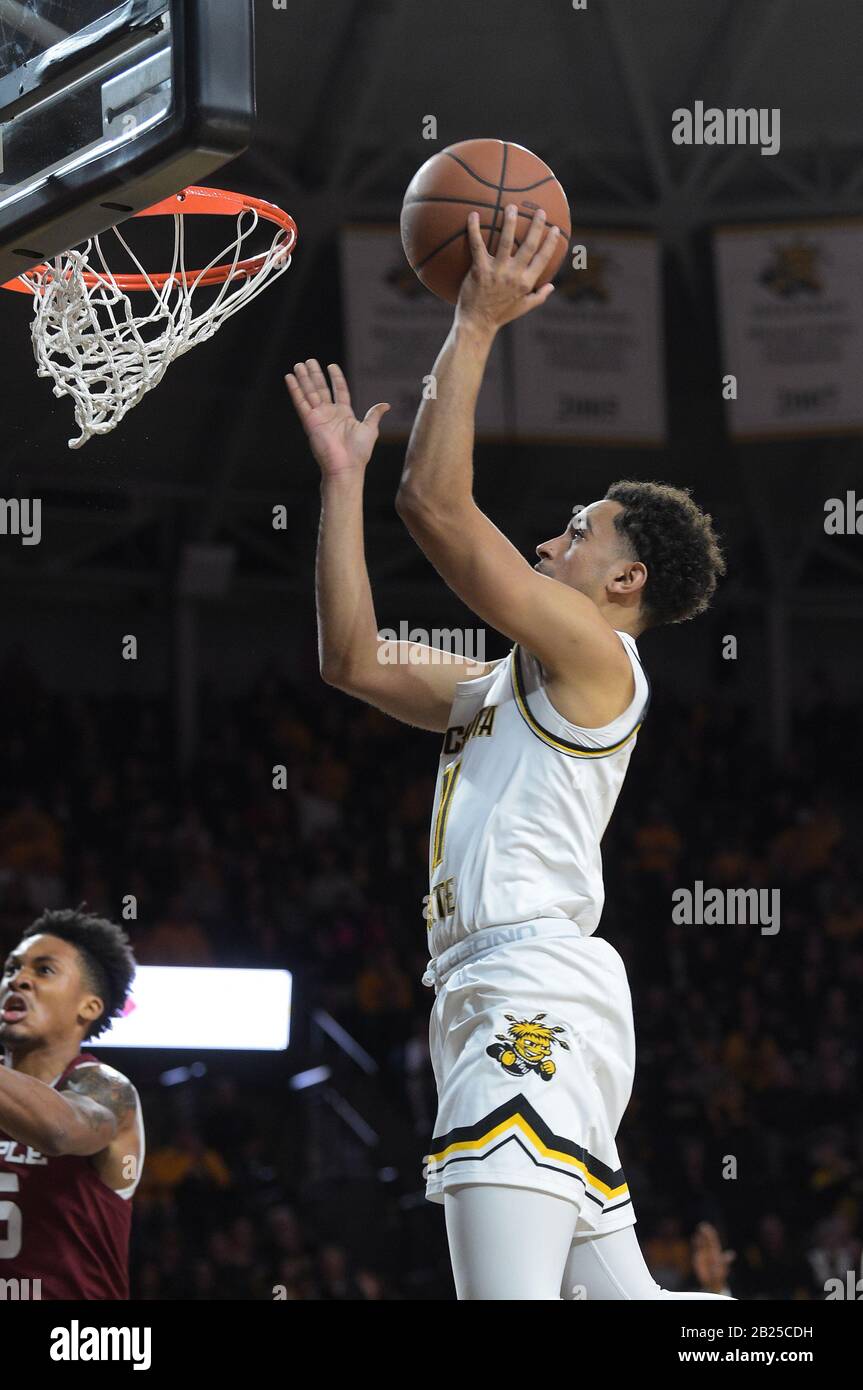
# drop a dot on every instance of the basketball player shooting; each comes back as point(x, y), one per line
point(71, 1132)
point(531, 1032)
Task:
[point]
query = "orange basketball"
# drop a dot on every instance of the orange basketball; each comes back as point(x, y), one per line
point(481, 174)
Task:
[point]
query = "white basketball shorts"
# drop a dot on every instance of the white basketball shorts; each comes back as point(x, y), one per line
point(533, 1049)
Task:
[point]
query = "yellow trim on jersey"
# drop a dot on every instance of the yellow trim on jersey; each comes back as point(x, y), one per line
point(518, 1121)
point(572, 750)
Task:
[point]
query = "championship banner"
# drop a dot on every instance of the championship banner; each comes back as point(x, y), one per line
point(791, 303)
point(589, 364)
point(394, 329)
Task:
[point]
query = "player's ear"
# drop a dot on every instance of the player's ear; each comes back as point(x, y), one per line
point(631, 578)
point(91, 1008)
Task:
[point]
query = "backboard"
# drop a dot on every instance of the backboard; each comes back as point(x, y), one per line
point(107, 108)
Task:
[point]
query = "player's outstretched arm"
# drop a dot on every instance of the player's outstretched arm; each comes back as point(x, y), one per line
point(553, 621)
point(407, 680)
point(83, 1118)
point(411, 681)
point(438, 471)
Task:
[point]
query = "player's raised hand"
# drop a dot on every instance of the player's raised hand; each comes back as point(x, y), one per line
point(339, 441)
point(502, 287)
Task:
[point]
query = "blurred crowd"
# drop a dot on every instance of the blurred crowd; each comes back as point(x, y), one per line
point(745, 1110)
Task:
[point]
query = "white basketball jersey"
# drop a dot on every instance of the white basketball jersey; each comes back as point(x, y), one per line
point(521, 803)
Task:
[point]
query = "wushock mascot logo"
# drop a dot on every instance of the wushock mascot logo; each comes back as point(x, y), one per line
point(526, 1046)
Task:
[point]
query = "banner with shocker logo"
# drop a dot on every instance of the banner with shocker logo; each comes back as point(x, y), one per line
point(791, 302)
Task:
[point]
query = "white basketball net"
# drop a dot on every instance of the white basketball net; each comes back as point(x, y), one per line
point(99, 351)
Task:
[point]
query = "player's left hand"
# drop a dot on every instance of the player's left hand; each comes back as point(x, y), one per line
point(500, 288)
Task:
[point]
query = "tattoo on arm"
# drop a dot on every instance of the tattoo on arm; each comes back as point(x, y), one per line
point(106, 1088)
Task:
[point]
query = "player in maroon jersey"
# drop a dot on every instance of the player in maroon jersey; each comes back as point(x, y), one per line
point(71, 1133)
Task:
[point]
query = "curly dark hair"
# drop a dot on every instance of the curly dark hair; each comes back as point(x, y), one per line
point(107, 962)
point(670, 534)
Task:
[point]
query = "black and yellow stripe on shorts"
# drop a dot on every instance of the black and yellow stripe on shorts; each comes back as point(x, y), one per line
point(572, 750)
point(516, 1121)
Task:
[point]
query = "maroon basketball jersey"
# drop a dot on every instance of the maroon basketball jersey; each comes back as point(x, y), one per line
point(60, 1223)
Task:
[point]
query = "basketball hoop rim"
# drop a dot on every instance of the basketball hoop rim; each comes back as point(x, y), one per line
point(192, 201)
